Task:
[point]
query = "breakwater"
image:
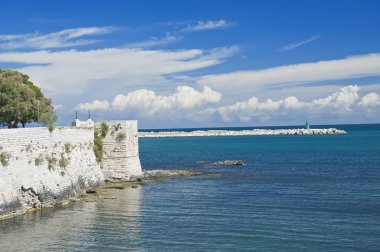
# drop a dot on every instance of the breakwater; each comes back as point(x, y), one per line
point(253, 132)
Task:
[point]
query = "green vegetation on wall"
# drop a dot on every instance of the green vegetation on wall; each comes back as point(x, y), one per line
point(51, 127)
point(115, 128)
point(98, 146)
point(121, 136)
point(39, 160)
point(68, 148)
point(51, 162)
point(4, 158)
point(104, 129)
point(63, 161)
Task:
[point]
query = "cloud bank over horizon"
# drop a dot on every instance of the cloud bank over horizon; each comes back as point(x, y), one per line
point(189, 104)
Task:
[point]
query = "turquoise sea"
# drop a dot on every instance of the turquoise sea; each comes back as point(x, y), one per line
point(295, 193)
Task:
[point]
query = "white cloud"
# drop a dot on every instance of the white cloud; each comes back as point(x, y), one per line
point(340, 103)
point(187, 97)
point(148, 103)
point(189, 104)
point(292, 102)
point(244, 111)
point(58, 106)
point(341, 100)
point(72, 72)
point(94, 105)
point(369, 101)
point(154, 41)
point(244, 82)
point(60, 39)
point(8, 37)
point(207, 25)
point(297, 44)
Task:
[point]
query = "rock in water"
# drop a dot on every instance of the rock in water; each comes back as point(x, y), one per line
point(157, 174)
point(228, 162)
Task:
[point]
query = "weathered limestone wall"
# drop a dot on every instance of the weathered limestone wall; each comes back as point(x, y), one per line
point(121, 150)
point(39, 168)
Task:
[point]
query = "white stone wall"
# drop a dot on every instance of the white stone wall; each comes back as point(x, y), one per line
point(121, 154)
point(38, 167)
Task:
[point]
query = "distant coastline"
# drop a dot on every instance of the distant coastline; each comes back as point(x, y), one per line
point(253, 132)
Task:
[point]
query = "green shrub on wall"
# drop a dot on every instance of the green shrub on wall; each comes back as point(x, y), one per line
point(51, 162)
point(104, 129)
point(4, 158)
point(51, 127)
point(39, 160)
point(68, 148)
point(121, 136)
point(98, 146)
point(115, 128)
point(63, 162)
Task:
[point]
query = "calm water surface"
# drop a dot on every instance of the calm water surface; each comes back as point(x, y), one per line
point(295, 193)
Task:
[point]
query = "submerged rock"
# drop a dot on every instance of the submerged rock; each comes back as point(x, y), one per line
point(158, 174)
point(228, 162)
point(120, 185)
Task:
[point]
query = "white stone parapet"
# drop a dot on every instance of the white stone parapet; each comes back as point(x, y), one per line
point(39, 167)
point(254, 132)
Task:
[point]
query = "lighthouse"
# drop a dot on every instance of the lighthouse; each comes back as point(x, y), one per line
point(307, 126)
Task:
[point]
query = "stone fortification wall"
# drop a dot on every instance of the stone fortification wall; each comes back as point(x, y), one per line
point(121, 150)
point(38, 168)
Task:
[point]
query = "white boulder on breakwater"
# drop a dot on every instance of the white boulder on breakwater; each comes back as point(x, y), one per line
point(253, 132)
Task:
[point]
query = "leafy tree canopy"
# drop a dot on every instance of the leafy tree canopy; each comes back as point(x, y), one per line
point(22, 102)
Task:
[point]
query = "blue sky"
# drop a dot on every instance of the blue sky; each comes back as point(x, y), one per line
point(200, 63)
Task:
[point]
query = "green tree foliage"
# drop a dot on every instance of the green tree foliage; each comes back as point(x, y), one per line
point(22, 102)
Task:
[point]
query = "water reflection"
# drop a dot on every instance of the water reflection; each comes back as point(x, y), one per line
point(82, 226)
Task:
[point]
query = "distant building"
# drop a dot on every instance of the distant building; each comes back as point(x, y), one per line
point(86, 124)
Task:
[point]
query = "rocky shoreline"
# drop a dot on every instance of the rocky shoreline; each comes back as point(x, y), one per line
point(254, 132)
point(104, 191)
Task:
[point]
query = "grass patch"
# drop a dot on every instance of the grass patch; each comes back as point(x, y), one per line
point(63, 161)
point(68, 148)
point(104, 129)
point(52, 161)
point(4, 158)
point(115, 128)
point(39, 160)
point(98, 146)
point(121, 136)
point(28, 147)
point(51, 127)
